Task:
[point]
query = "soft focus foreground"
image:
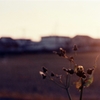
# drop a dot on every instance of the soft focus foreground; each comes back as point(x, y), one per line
point(20, 79)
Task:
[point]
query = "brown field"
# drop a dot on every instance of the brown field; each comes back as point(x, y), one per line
point(20, 79)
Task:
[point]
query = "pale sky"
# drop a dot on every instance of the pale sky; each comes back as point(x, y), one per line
point(35, 18)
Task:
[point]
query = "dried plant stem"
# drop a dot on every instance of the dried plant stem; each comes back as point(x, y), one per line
point(51, 79)
point(68, 85)
point(69, 96)
point(81, 90)
point(58, 84)
point(67, 89)
point(85, 78)
point(95, 63)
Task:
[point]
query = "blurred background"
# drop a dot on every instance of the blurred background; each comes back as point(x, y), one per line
point(30, 30)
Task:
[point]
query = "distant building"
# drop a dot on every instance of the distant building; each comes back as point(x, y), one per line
point(49, 43)
point(54, 42)
point(86, 43)
point(8, 44)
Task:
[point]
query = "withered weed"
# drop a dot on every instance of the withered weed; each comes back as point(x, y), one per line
point(85, 77)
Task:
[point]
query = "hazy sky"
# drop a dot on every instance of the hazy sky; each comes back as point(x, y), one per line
point(35, 18)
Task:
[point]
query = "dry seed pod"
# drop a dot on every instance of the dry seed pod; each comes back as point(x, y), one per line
point(62, 50)
point(75, 47)
point(52, 74)
point(71, 59)
point(42, 74)
point(70, 71)
point(80, 68)
point(59, 53)
point(65, 69)
point(44, 69)
point(90, 71)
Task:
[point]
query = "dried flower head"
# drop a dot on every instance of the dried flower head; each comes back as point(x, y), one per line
point(44, 69)
point(90, 71)
point(75, 47)
point(71, 59)
point(70, 71)
point(62, 50)
point(81, 74)
point(61, 53)
point(85, 78)
point(52, 74)
point(58, 53)
point(65, 69)
point(80, 68)
point(42, 74)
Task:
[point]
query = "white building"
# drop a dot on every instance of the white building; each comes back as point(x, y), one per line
point(54, 42)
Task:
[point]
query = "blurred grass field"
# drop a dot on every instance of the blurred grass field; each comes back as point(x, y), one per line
point(20, 79)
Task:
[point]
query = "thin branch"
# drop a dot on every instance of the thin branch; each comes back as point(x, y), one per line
point(58, 84)
point(67, 81)
point(68, 85)
point(81, 89)
point(95, 63)
point(62, 86)
point(69, 96)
